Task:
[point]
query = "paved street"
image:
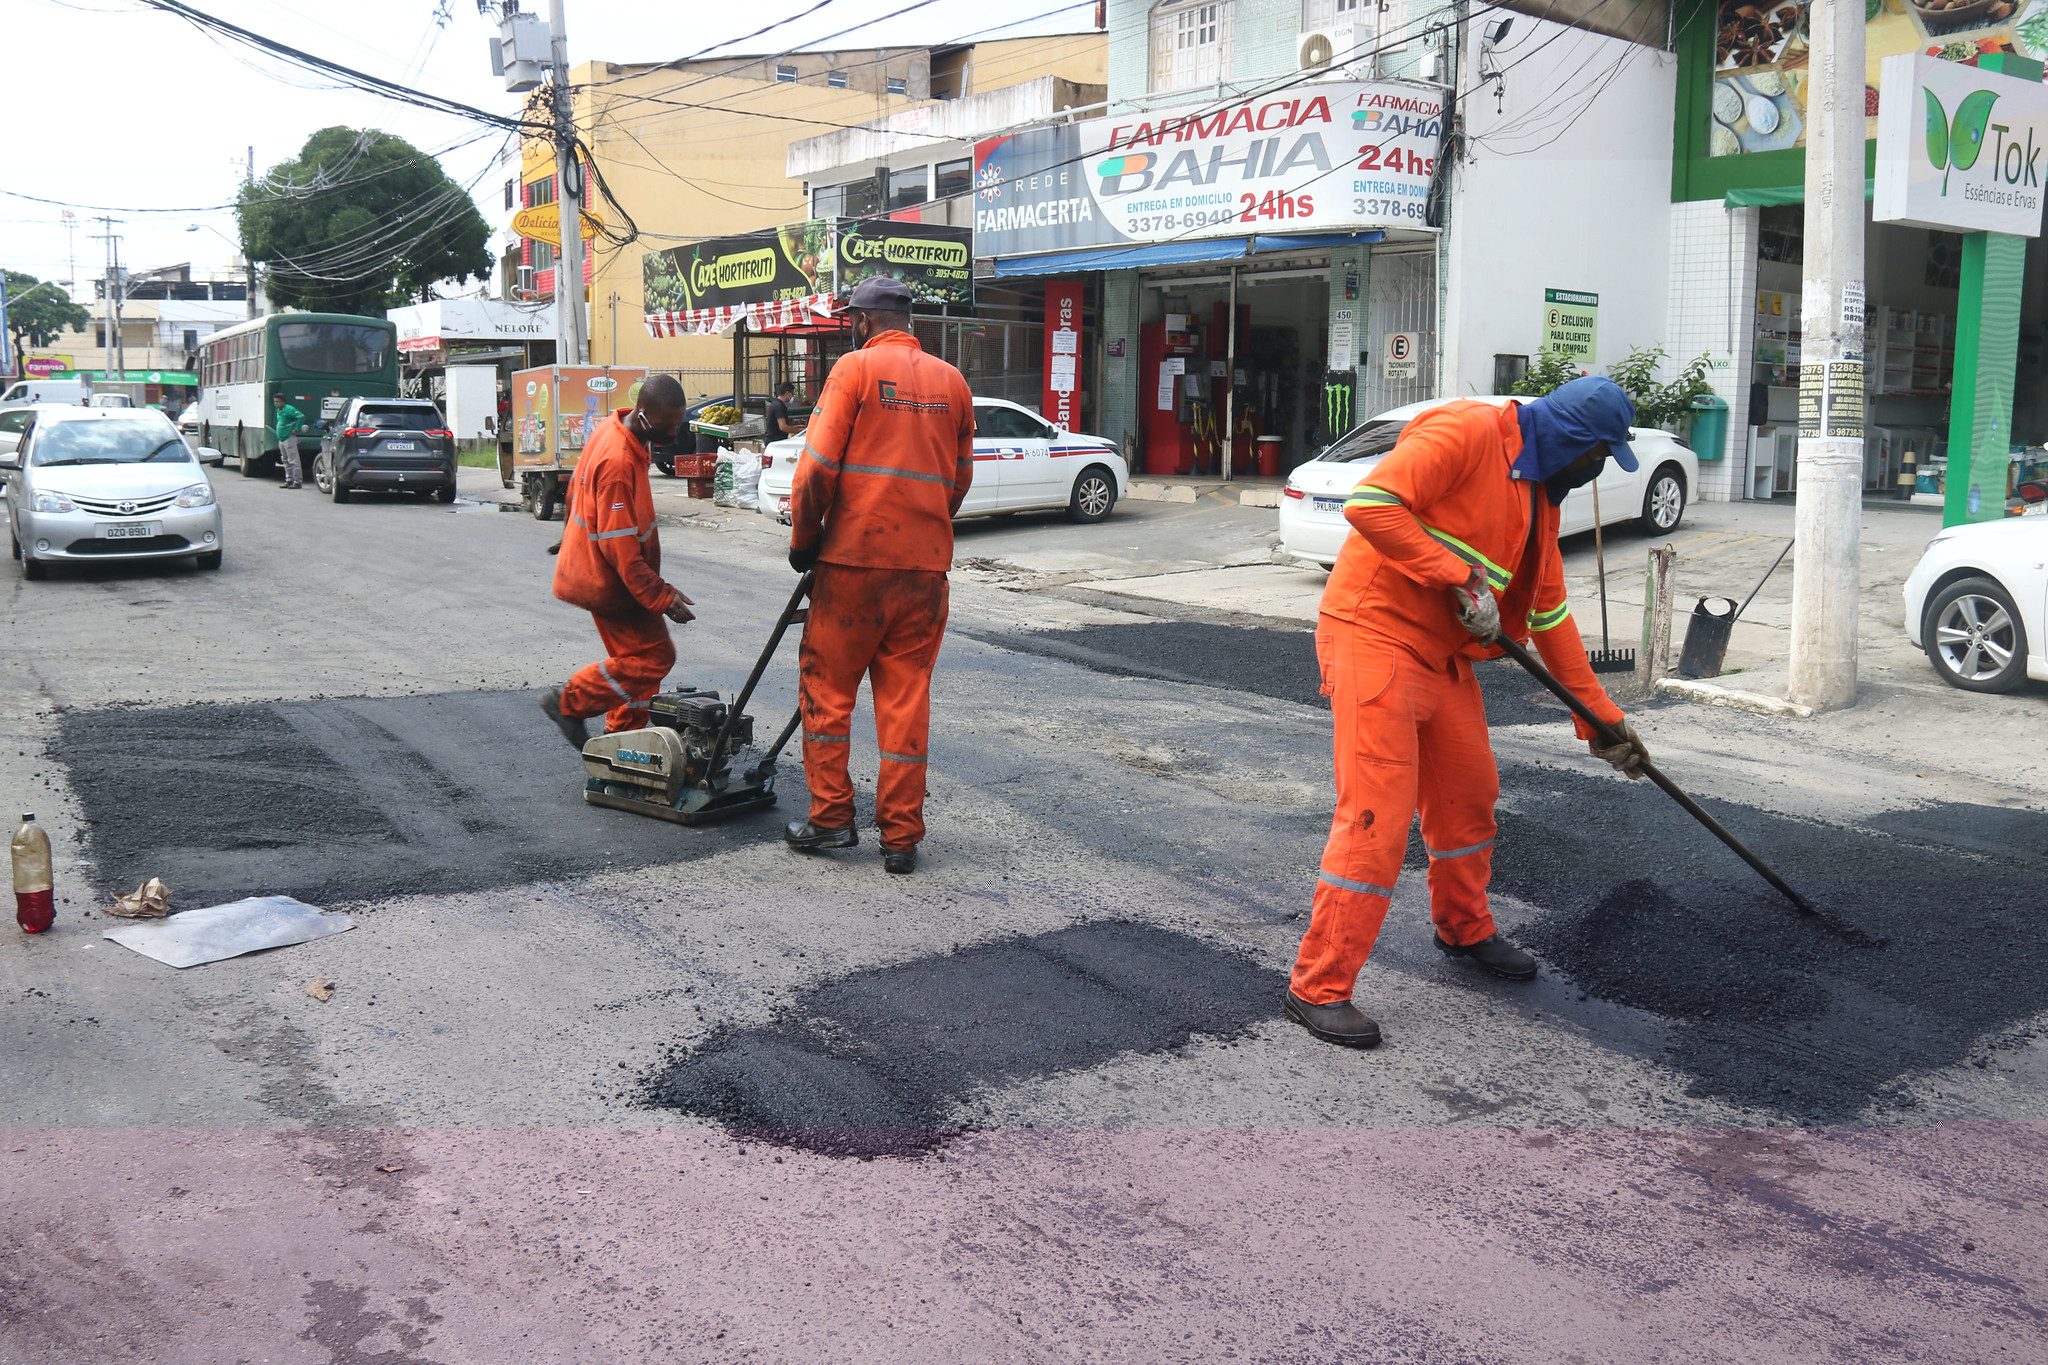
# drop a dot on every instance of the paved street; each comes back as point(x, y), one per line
point(598, 1088)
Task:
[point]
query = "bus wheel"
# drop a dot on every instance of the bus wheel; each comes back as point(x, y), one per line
point(550, 493)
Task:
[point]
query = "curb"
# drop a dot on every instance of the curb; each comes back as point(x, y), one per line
point(1148, 491)
point(1707, 694)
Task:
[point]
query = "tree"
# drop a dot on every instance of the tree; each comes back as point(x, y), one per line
point(359, 222)
point(38, 313)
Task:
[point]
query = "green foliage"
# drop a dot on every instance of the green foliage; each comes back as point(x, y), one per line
point(38, 313)
point(359, 222)
point(1660, 405)
point(1550, 371)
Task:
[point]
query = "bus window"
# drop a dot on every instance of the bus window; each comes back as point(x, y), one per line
point(333, 347)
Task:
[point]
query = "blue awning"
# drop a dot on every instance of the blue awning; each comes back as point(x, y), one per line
point(1124, 257)
point(1317, 241)
point(1138, 255)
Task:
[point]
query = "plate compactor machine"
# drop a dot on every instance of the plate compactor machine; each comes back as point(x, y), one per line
point(679, 768)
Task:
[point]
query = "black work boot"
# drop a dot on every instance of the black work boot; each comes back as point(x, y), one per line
point(1342, 1023)
point(1496, 954)
point(572, 727)
point(806, 837)
point(902, 861)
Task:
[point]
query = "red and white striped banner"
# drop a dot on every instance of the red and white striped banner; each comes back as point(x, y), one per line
point(759, 316)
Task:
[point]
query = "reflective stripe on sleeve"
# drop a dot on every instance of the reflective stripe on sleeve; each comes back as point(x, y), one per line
point(1550, 620)
point(1496, 577)
point(1346, 884)
point(812, 451)
point(1365, 495)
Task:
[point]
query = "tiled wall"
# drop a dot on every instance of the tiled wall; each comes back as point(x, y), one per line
point(1713, 285)
point(1119, 420)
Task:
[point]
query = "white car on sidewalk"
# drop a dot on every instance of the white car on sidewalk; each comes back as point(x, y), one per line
point(1022, 463)
point(1312, 524)
point(1976, 602)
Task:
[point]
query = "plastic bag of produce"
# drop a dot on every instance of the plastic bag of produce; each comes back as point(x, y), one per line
point(721, 480)
point(746, 479)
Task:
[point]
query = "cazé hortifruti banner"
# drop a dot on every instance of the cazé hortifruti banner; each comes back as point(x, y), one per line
point(935, 261)
point(777, 277)
point(1323, 157)
point(1762, 53)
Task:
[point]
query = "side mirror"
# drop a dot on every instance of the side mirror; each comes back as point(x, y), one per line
point(209, 453)
point(10, 459)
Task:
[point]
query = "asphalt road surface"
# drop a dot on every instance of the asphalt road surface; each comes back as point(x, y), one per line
point(598, 1088)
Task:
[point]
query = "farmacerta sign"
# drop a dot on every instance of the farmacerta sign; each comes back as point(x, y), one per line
point(1329, 156)
point(1959, 148)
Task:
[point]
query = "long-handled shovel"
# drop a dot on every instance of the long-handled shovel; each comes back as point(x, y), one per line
point(1608, 737)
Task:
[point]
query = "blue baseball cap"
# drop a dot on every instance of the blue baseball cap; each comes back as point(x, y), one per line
point(1594, 409)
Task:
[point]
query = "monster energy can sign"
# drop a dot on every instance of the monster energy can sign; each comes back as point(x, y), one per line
point(1959, 148)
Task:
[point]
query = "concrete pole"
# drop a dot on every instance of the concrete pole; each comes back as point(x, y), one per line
point(572, 327)
point(1829, 501)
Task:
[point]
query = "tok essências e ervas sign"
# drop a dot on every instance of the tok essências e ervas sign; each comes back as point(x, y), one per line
point(1959, 148)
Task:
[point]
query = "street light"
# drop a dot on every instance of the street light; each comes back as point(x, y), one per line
point(248, 262)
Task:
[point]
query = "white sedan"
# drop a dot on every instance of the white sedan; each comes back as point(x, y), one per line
point(1976, 600)
point(1022, 463)
point(1312, 524)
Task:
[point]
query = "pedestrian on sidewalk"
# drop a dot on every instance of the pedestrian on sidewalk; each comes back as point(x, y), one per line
point(1456, 545)
point(888, 455)
point(289, 420)
point(610, 565)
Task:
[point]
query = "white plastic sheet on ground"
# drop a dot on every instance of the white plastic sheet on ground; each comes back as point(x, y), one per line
point(223, 931)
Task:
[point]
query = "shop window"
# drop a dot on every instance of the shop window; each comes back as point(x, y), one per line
point(1190, 44)
point(1781, 234)
point(898, 85)
point(786, 75)
point(907, 188)
point(836, 79)
point(953, 178)
point(1944, 260)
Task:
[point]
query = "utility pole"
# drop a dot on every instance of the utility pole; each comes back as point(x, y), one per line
point(1826, 572)
point(114, 360)
point(571, 326)
point(248, 261)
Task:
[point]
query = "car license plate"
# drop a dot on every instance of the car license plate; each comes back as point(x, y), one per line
point(1329, 504)
point(398, 445)
point(126, 530)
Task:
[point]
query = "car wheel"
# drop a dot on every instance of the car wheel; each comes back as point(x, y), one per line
point(16, 543)
point(209, 560)
point(323, 473)
point(544, 502)
point(1664, 501)
point(1094, 495)
point(666, 464)
point(1974, 637)
point(336, 489)
point(33, 569)
point(445, 493)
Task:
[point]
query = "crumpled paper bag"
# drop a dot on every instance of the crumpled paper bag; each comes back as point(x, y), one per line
point(152, 900)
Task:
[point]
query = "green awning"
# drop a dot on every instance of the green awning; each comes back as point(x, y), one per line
point(1773, 195)
point(174, 378)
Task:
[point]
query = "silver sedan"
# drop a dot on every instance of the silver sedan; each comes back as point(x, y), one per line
point(96, 484)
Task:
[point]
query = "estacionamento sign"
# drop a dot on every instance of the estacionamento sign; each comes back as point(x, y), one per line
point(1571, 325)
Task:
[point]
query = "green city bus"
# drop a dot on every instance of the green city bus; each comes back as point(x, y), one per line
point(316, 361)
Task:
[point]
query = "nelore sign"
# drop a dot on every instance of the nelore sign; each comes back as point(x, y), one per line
point(1959, 149)
point(1327, 156)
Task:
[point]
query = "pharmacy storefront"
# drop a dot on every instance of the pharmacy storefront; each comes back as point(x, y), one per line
point(1951, 394)
point(1257, 274)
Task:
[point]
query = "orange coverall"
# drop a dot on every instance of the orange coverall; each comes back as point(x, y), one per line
point(610, 565)
point(888, 455)
point(1397, 667)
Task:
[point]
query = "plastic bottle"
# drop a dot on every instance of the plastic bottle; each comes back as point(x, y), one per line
point(34, 904)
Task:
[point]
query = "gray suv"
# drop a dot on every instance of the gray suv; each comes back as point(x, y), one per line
point(400, 445)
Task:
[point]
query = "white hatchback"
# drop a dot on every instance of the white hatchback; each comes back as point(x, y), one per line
point(1022, 463)
point(1312, 524)
point(1977, 603)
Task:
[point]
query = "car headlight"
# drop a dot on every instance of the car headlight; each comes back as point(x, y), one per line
point(198, 495)
point(53, 502)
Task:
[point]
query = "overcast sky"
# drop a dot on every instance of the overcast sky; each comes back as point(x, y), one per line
point(110, 103)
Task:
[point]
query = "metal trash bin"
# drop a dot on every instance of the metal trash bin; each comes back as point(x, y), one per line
point(1706, 639)
point(1709, 428)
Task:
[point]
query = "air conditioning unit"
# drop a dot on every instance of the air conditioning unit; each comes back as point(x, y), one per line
point(1337, 53)
point(525, 286)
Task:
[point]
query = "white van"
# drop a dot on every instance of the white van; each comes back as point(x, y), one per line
point(48, 391)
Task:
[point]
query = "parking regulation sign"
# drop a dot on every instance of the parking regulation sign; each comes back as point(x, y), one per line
point(1401, 356)
point(1571, 325)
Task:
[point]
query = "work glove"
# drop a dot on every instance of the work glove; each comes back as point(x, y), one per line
point(1629, 756)
point(679, 611)
point(1478, 612)
point(803, 561)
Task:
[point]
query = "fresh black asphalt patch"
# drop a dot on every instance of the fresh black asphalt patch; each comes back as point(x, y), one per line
point(881, 1062)
point(355, 798)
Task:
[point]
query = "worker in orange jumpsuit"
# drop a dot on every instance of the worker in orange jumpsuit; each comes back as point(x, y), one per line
point(1456, 545)
point(888, 455)
point(610, 565)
